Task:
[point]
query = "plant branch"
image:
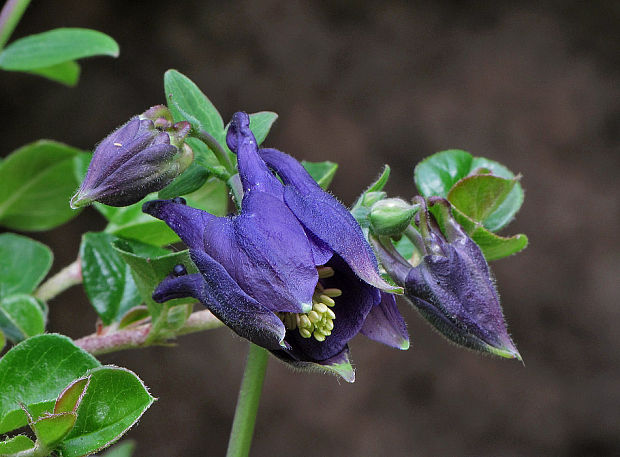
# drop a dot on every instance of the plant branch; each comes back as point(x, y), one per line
point(247, 402)
point(11, 13)
point(136, 337)
point(61, 281)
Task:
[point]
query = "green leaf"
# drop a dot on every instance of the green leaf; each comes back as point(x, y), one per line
point(187, 102)
point(321, 172)
point(34, 372)
point(70, 398)
point(21, 317)
point(130, 222)
point(436, 174)
point(66, 73)
point(36, 184)
point(14, 445)
point(114, 401)
point(24, 264)
point(149, 271)
point(2, 341)
point(260, 124)
point(124, 449)
point(189, 181)
point(513, 201)
point(478, 196)
point(54, 47)
point(50, 430)
point(107, 278)
point(134, 316)
point(211, 197)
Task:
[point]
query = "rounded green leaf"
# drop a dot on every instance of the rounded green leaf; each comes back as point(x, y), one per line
point(114, 401)
point(436, 174)
point(124, 449)
point(56, 46)
point(70, 398)
point(36, 184)
point(35, 372)
point(16, 444)
point(25, 262)
point(21, 317)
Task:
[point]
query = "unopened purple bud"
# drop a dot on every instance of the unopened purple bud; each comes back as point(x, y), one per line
point(142, 156)
point(451, 284)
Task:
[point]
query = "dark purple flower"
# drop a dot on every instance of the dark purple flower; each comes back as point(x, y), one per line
point(298, 283)
point(142, 156)
point(451, 284)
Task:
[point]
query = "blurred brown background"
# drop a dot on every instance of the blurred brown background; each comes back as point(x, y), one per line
point(531, 84)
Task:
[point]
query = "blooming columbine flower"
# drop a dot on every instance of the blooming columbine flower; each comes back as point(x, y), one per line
point(292, 272)
point(450, 284)
point(142, 156)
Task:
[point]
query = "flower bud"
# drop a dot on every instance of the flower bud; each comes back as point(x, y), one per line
point(142, 156)
point(451, 285)
point(390, 217)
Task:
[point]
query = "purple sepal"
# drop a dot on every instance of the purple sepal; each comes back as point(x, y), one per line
point(384, 324)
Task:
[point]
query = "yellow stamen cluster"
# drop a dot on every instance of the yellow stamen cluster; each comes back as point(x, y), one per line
point(318, 322)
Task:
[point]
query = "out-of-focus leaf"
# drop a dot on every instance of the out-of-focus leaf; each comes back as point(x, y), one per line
point(114, 401)
point(54, 47)
point(34, 373)
point(260, 124)
point(67, 73)
point(134, 316)
point(21, 317)
point(24, 263)
point(321, 172)
point(36, 183)
point(124, 449)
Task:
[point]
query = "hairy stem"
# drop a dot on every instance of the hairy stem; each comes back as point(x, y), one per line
point(61, 281)
point(247, 402)
point(136, 337)
point(11, 13)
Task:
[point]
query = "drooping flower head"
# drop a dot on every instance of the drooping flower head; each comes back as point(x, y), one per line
point(291, 272)
point(450, 284)
point(142, 156)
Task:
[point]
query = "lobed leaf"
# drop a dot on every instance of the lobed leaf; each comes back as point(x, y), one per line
point(36, 184)
point(25, 262)
point(54, 47)
point(50, 430)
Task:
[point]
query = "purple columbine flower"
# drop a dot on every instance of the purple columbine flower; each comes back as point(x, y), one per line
point(451, 284)
point(142, 156)
point(291, 272)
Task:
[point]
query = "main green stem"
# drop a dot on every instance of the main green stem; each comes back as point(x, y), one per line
point(216, 147)
point(247, 402)
point(11, 13)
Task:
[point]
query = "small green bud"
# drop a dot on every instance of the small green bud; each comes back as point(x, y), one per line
point(390, 217)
